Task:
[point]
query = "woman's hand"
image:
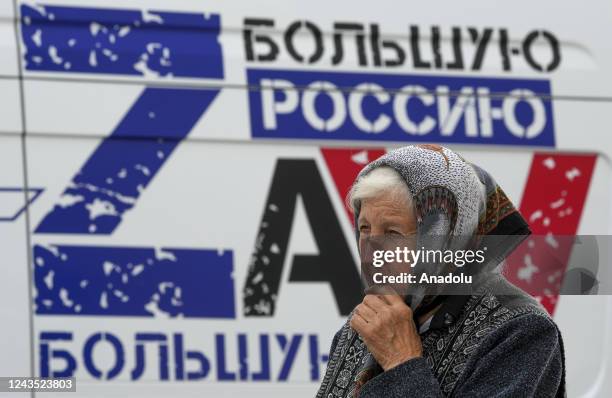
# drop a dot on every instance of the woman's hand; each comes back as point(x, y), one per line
point(385, 324)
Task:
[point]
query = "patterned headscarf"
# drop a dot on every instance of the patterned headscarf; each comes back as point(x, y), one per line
point(452, 198)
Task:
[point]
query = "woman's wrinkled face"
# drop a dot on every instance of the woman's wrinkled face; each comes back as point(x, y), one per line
point(386, 215)
point(385, 223)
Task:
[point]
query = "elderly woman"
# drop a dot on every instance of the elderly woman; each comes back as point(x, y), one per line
point(496, 341)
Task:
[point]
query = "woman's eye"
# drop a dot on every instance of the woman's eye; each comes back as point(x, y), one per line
point(364, 228)
point(394, 232)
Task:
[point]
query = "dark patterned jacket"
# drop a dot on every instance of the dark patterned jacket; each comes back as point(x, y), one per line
point(499, 342)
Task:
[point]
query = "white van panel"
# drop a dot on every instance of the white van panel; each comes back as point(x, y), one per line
point(15, 311)
point(8, 44)
point(10, 107)
point(171, 164)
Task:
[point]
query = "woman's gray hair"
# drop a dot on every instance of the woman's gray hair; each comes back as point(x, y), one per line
point(381, 181)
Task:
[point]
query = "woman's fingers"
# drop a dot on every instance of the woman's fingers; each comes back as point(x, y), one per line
point(366, 312)
point(374, 302)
